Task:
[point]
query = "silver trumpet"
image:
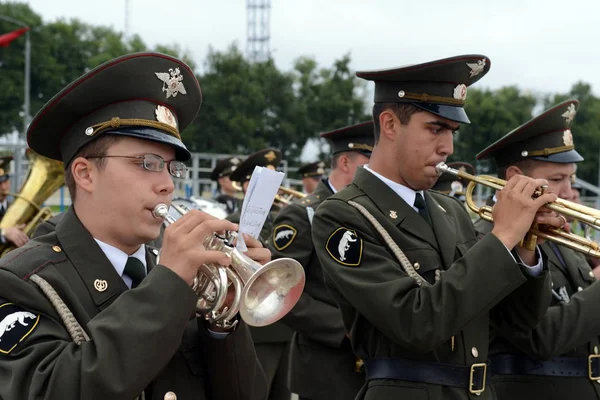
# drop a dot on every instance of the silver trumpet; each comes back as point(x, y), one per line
point(262, 294)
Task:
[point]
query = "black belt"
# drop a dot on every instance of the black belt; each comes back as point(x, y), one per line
point(519, 364)
point(471, 378)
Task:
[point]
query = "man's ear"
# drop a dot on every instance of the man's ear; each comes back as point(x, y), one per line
point(387, 123)
point(512, 171)
point(83, 171)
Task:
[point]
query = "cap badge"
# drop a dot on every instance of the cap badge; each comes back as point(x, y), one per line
point(321, 164)
point(164, 115)
point(476, 68)
point(460, 92)
point(234, 161)
point(570, 113)
point(171, 82)
point(270, 156)
point(568, 138)
point(320, 170)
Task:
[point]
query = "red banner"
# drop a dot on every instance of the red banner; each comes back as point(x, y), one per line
point(9, 37)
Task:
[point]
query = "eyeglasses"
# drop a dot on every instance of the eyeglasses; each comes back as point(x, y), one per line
point(155, 163)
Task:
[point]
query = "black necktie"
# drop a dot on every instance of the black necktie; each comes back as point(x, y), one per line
point(135, 270)
point(420, 205)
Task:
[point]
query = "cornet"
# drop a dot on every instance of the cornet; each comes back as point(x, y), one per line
point(577, 211)
point(262, 294)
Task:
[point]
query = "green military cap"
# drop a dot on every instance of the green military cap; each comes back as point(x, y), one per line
point(546, 137)
point(439, 87)
point(449, 183)
point(143, 95)
point(225, 168)
point(359, 137)
point(268, 158)
point(5, 167)
point(312, 170)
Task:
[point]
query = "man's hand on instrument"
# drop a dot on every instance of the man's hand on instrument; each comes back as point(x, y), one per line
point(516, 209)
point(183, 251)
point(256, 251)
point(16, 236)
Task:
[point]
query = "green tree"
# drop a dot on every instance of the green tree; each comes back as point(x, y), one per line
point(585, 127)
point(493, 114)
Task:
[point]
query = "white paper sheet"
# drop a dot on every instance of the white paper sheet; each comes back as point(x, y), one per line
point(263, 186)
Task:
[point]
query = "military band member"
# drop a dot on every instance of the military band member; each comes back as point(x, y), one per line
point(85, 311)
point(272, 342)
point(228, 193)
point(322, 364)
point(551, 361)
point(450, 184)
point(13, 234)
point(413, 283)
point(311, 175)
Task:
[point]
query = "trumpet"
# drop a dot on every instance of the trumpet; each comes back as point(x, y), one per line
point(262, 294)
point(287, 195)
point(585, 214)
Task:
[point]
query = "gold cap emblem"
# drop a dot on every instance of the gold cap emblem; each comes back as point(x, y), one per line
point(568, 138)
point(569, 115)
point(172, 82)
point(164, 115)
point(270, 156)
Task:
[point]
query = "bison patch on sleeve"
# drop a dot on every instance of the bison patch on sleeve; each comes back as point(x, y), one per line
point(345, 247)
point(15, 325)
point(283, 236)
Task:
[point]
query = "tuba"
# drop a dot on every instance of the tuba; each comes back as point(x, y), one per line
point(262, 294)
point(44, 178)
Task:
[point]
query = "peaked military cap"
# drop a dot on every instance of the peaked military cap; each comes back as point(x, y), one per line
point(546, 137)
point(439, 87)
point(449, 183)
point(268, 158)
point(312, 170)
point(143, 95)
point(359, 137)
point(5, 167)
point(225, 168)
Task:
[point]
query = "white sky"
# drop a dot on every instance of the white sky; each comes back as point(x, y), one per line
point(540, 45)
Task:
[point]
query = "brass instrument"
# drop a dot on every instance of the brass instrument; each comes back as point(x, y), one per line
point(588, 215)
point(261, 293)
point(44, 178)
point(287, 195)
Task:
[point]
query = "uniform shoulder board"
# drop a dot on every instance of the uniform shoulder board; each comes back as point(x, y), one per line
point(345, 247)
point(15, 325)
point(283, 236)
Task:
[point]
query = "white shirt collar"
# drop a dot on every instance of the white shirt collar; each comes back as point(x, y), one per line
point(334, 190)
point(5, 203)
point(118, 258)
point(406, 193)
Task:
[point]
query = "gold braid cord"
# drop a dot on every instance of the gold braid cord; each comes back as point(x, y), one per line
point(75, 330)
point(404, 262)
point(119, 122)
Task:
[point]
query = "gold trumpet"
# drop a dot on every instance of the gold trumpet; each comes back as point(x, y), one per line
point(287, 195)
point(585, 214)
point(262, 294)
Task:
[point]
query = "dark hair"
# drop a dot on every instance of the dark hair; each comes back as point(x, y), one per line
point(402, 110)
point(336, 157)
point(97, 147)
point(523, 165)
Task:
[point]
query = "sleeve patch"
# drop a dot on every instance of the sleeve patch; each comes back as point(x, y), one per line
point(345, 247)
point(15, 325)
point(283, 236)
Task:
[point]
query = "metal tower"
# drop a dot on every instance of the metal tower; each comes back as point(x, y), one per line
point(259, 29)
point(127, 28)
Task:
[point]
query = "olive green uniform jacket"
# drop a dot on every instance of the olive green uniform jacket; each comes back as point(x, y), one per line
point(141, 340)
point(322, 364)
point(389, 315)
point(568, 329)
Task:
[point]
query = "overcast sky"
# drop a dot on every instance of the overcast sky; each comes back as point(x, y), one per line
point(539, 45)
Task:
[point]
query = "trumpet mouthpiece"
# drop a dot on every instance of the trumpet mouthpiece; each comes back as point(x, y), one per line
point(160, 211)
point(441, 168)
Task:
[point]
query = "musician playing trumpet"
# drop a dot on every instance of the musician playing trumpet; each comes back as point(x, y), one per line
point(12, 234)
point(551, 361)
point(85, 311)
